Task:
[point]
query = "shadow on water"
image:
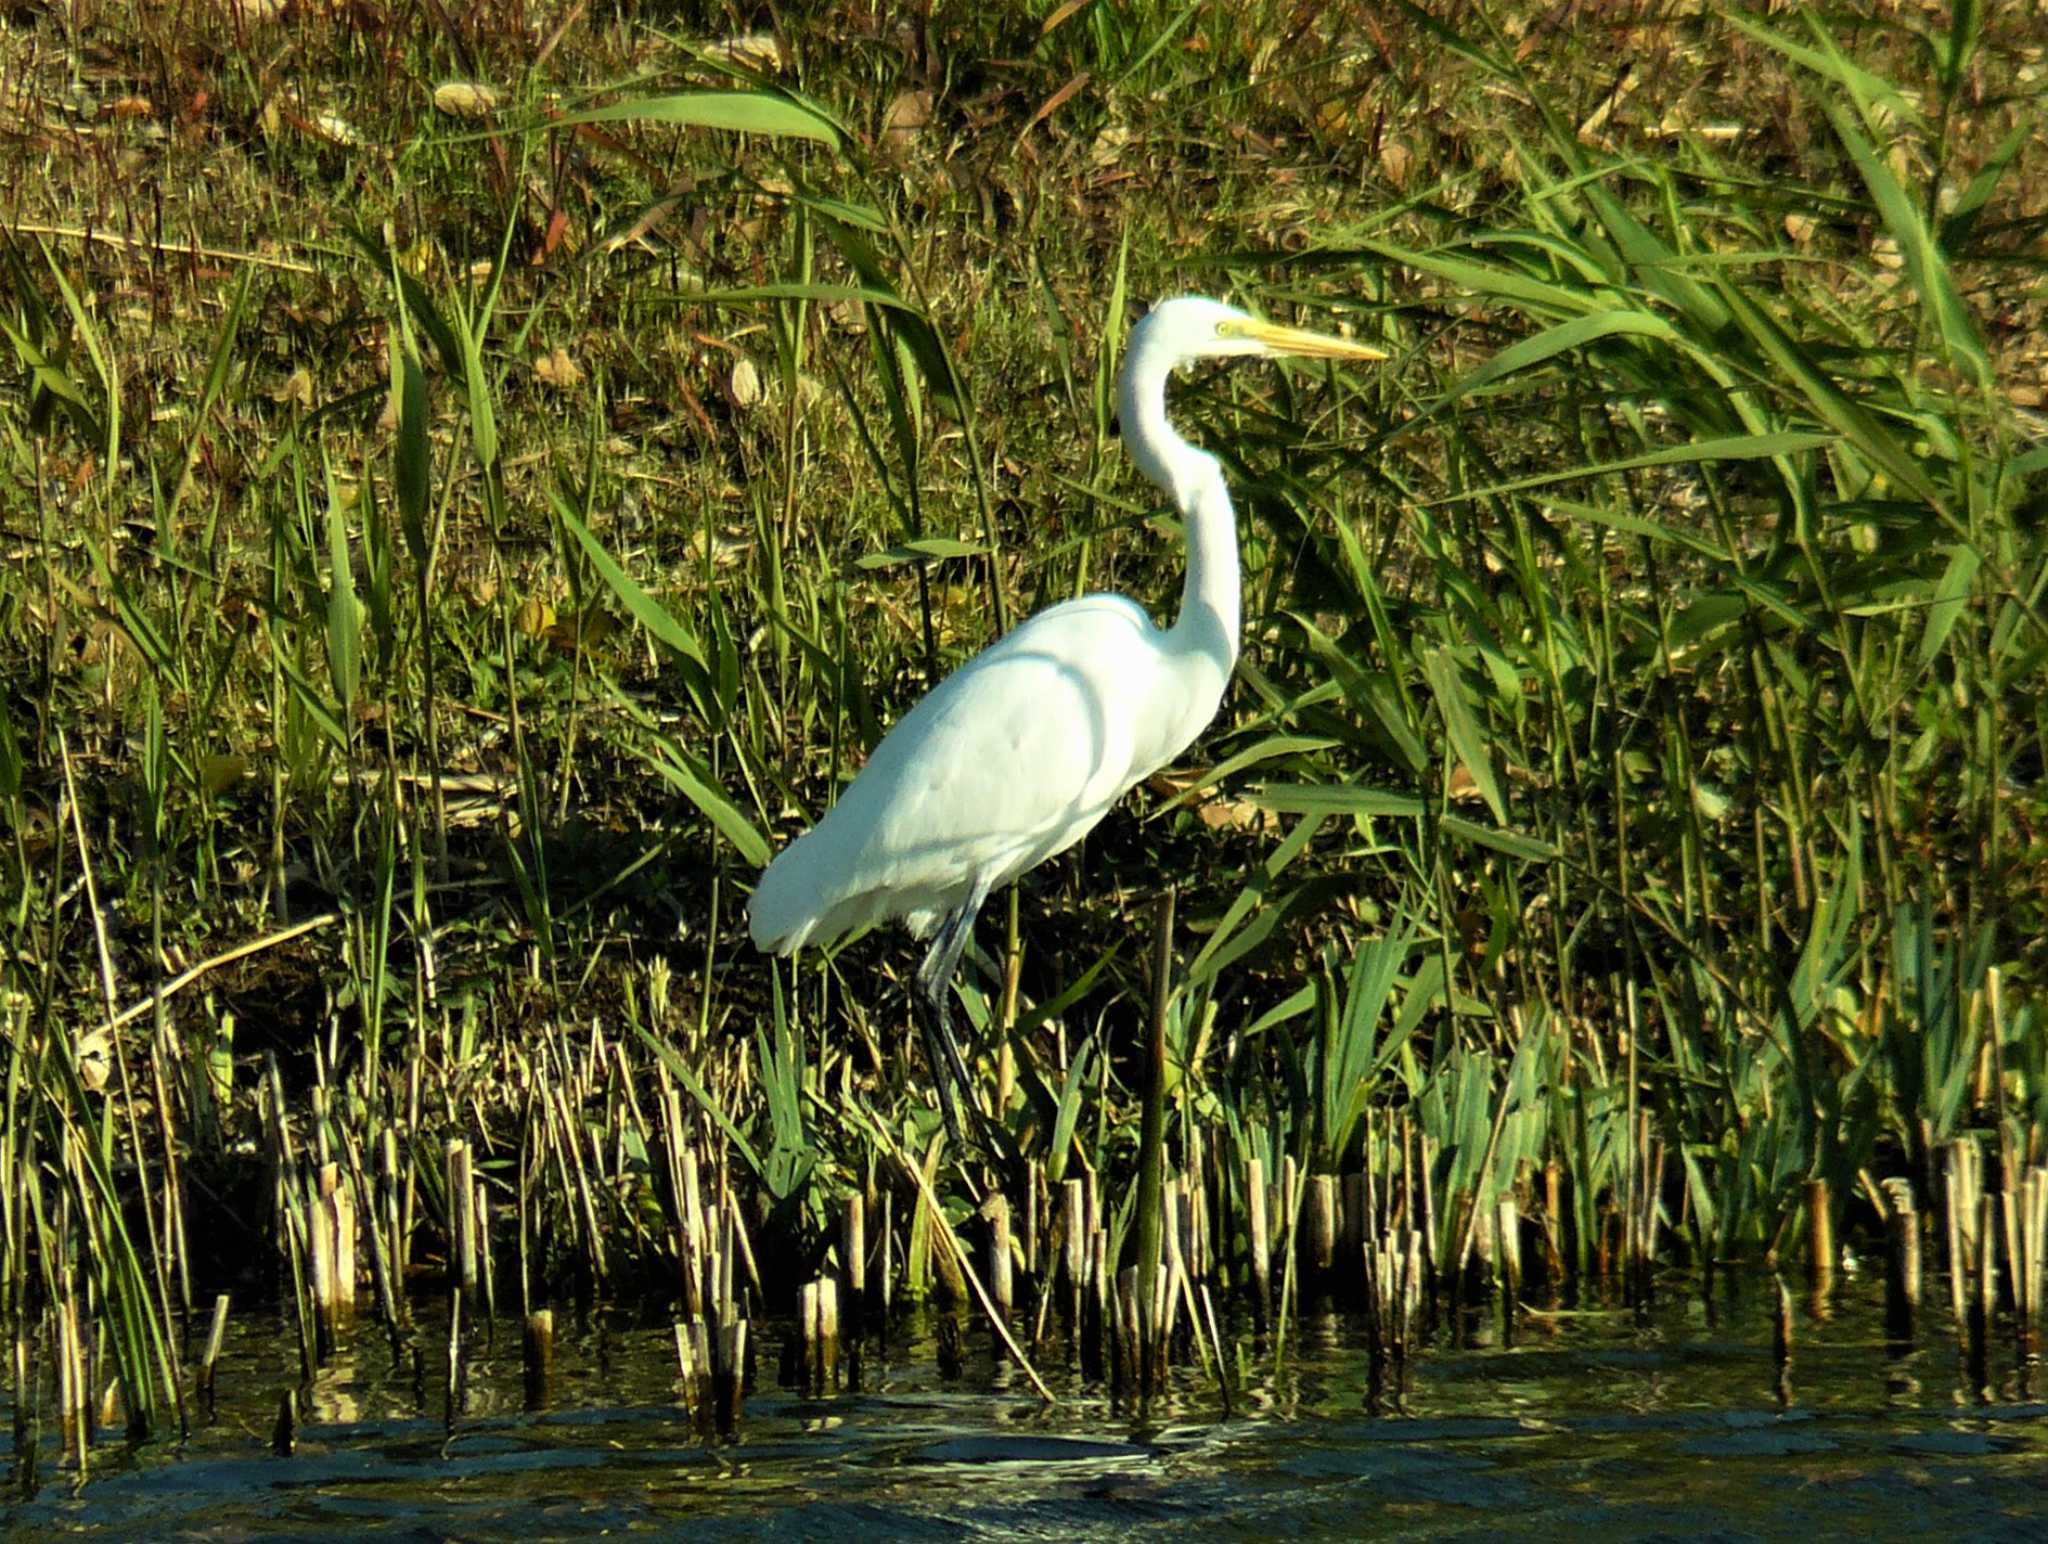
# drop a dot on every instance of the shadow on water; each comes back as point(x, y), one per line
point(1597, 1425)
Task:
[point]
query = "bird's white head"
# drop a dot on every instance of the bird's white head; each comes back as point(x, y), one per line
point(1191, 327)
point(1179, 332)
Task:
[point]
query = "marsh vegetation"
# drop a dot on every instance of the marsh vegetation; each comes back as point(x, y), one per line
point(475, 481)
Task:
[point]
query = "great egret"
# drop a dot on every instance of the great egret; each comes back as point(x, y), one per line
point(1016, 755)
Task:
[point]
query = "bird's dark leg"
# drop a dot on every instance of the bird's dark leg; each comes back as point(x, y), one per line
point(934, 996)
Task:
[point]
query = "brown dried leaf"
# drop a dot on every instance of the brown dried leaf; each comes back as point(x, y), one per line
point(465, 99)
point(581, 631)
point(908, 116)
point(558, 370)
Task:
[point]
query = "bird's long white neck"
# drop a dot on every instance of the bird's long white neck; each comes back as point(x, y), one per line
point(1193, 479)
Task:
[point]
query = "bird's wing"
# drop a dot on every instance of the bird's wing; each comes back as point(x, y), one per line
point(1006, 762)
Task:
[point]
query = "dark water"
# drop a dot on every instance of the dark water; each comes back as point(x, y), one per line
point(1594, 1425)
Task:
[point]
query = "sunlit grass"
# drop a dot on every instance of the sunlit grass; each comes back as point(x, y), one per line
point(445, 553)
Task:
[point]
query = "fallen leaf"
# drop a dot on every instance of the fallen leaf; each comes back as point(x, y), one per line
point(465, 99)
point(751, 50)
point(744, 385)
point(583, 630)
point(906, 117)
point(95, 1060)
point(534, 618)
point(558, 370)
point(337, 128)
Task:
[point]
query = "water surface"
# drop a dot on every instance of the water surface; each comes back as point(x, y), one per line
point(1600, 1424)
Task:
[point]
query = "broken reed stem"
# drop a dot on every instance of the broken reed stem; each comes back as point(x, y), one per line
point(853, 1249)
point(538, 1356)
point(1261, 1256)
point(694, 1371)
point(997, 1210)
point(1096, 1311)
point(1902, 1261)
point(1322, 1235)
point(284, 1433)
point(481, 1211)
point(888, 1261)
point(1500, 1117)
point(1963, 1180)
point(699, 1280)
point(2033, 1265)
point(1508, 1260)
point(1074, 1248)
point(1152, 1130)
point(729, 1376)
point(461, 1195)
point(800, 1370)
point(950, 1248)
point(215, 1334)
point(1984, 1301)
point(1820, 1237)
point(1781, 1340)
point(455, 1359)
point(811, 1361)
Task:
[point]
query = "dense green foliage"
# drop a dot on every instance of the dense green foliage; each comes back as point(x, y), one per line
point(474, 537)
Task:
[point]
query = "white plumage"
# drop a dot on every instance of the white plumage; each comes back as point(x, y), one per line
point(1019, 753)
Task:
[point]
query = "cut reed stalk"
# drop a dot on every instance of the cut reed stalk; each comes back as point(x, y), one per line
point(480, 1210)
point(457, 1367)
point(1820, 1239)
point(1902, 1262)
point(1322, 1237)
point(1781, 1340)
point(1255, 1230)
point(1984, 1301)
point(2032, 1272)
point(216, 1333)
point(1962, 1181)
point(1074, 1249)
point(853, 1249)
point(1152, 1138)
point(728, 1376)
point(284, 1431)
point(461, 1198)
point(997, 1210)
point(1096, 1313)
point(828, 1333)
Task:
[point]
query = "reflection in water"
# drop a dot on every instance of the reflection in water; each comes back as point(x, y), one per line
point(1596, 1422)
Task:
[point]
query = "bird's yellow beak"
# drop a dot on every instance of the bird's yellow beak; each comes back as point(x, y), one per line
point(1275, 339)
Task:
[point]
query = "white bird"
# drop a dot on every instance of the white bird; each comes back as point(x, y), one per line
point(1018, 754)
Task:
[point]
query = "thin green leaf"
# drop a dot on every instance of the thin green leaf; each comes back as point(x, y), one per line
point(646, 610)
point(1448, 687)
point(741, 112)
